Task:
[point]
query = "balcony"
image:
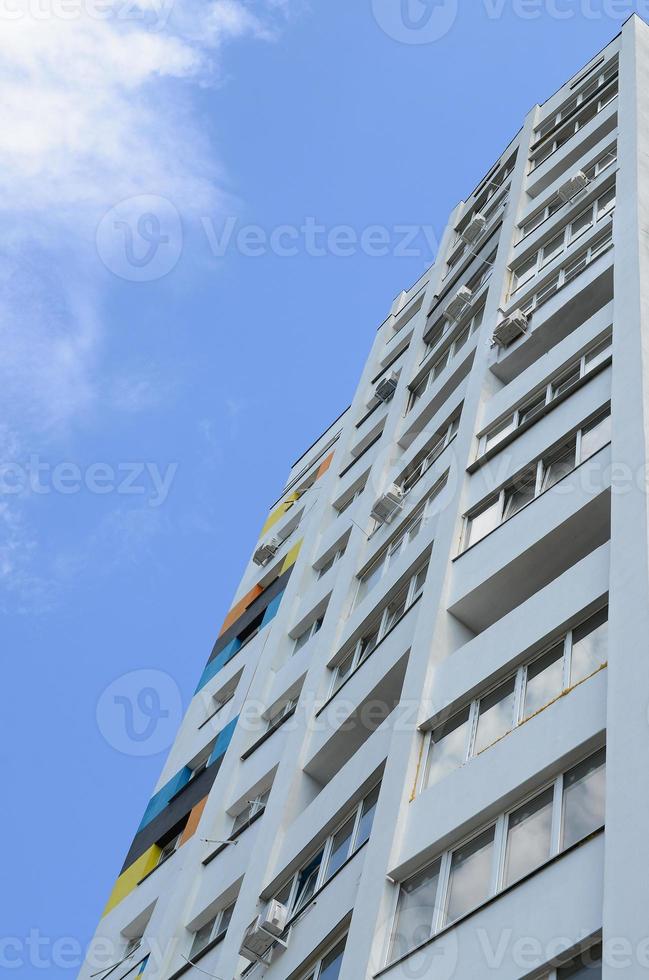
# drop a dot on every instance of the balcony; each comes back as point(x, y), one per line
point(539, 543)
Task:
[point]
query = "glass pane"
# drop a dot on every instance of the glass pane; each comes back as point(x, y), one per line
point(546, 291)
point(558, 466)
point(224, 921)
point(574, 268)
point(343, 670)
point(544, 680)
point(461, 340)
point(525, 272)
point(566, 382)
point(413, 923)
point(367, 818)
point(589, 646)
point(533, 223)
point(369, 580)
point(499, 432)
point(520, 494)
point(584, 790)
point(439, 366)
point(595, 437)
point(470, 877)
point(340, 848)
point(531, 409)
point(448, 747)
point(330, 966)
point(420, 581)
point(496, 716)
point(581, 223)
point(529, 832)
point(553, 248)
point(202, 937)
point(307, 879)
point(396, 610)
point(484, 522)
point(368, 644)
point(599, 353)
point(606, 202)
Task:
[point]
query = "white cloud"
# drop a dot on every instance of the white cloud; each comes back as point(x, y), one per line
point(96, 107)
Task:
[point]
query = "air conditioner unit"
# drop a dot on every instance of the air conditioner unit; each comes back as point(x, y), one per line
point(389, 504)
point(573, 187)
point(474, 229)
point(510, 329)
point(458, 304)
point(263, 932)
point(386, 387)
point(265, 551)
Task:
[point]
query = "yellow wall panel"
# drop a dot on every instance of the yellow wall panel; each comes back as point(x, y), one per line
point(128, 879)
point(291, 557)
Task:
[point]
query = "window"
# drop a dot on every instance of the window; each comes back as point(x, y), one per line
point(170, 848)
point(328, 968)
point(541, 476)
point(529, 837)
point(329, 564)
point(306, 635)
point(252, 810)
point(526, 270)
point(601, 244)
point(578, 654)
point(417, 391)
point(586, 966)
point(279, 713)
point(212, 932)
point(558, 387)
point(352, 833)
point(351, 500)
point(388, 618)
point(584, 799)
point(390, 555)
point(552, 135)
point(423, 461)
point(461, 879)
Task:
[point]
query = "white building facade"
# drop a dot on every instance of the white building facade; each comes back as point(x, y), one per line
point(418, 748)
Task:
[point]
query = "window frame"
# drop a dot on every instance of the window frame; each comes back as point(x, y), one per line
point(519, 677)
point(325, 850)
point(439, 920)
point(472, 325)
point(379, 626)
point(538, 261)
point(215, 936)
point(307, 635)
point(540, 467)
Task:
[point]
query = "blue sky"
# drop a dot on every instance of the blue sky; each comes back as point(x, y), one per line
point(164, 362)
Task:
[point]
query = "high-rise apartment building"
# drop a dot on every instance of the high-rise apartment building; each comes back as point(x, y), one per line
point(419, 745)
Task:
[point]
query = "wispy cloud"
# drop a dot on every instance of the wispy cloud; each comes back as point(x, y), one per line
point(97, 107)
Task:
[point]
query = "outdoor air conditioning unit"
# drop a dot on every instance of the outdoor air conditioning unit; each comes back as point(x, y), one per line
point(458, 304)
point(510, 329)
point(265, 551)
point(263, 932)
point(573, 187)
point(389, 504)
point(386, 387)
point(474, 229)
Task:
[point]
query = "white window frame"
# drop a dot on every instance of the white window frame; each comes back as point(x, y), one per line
point(315, 971)
point(330, 562)
point(253, 808)
point(326, 849)
point(541, 260)
point(307, 635)
point(567, 272)
point(280, 712)
point(608, 83)
point(513, 421)
point(214, 932)
point(519, 678)
point(442, 439)
point(379, 626)
point(539, 467)
point(499, 826)
point(466, 329)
